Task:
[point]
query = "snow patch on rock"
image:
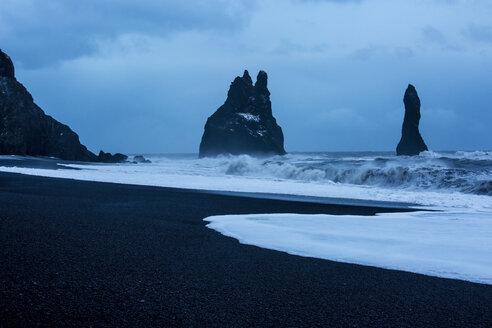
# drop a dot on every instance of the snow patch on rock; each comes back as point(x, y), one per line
point(249, 117)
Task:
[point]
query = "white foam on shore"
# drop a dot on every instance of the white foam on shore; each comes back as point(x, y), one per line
point(160, 175)
point(454, 244)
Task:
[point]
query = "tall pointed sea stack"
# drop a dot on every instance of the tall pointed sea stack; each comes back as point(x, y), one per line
point(411, 142)
point(26, 130)
point(244, 124)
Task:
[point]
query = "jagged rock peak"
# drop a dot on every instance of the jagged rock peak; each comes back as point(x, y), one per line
point(247, 78)
point(6, 65)
point(261, 83)
point(411, 142)
point(244, 124)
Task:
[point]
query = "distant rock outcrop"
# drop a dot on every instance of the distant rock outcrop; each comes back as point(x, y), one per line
point(140, 159)
point(244, 124)
point(411, 142)
point(109, 158)
point(26, 130)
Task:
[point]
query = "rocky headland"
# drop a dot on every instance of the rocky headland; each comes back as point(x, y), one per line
point(26, 130)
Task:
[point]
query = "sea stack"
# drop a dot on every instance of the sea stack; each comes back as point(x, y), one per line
point(26, 130)
point(244, 124)
point(411, 142)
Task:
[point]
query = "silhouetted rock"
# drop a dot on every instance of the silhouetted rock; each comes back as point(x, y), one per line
point(109, 158)
point(140, 159)
point(244, 124)
point(6, 65)
point(26, 130)
point(411, 142)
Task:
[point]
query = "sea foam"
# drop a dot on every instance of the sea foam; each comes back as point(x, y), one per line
point(454, 179)
point(455, 244)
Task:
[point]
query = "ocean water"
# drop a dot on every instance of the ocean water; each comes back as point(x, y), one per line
point(442, 179)
point(453, 241)
point(466, 172)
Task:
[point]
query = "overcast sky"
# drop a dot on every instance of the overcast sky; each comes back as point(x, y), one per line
point(143, 76)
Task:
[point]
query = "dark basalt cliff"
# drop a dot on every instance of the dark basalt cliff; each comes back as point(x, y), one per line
point(26, 130)
point(411, 142)
point(244, 124)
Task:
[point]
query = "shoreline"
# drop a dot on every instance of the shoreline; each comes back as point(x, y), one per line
point(53, 164)
point(335, 205)
point(80, 253)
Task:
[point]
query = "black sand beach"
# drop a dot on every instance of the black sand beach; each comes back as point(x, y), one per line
point(86, 254)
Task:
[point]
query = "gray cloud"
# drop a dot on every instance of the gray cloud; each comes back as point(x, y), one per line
point(433, 35)
point(55, 30)
point(480, 33)
point(286, 47)
point(380, 51)
point(144, 76)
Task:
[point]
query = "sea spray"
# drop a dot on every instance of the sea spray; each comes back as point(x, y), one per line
point(458, 171)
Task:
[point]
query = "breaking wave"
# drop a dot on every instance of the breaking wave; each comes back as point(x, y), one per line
point(468, 172)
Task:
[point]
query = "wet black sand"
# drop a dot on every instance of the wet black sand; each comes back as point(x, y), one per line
point(76, 253)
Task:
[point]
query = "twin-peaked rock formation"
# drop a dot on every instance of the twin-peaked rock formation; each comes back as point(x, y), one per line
point(244, 124)
point(411, 142)
point(26, 130)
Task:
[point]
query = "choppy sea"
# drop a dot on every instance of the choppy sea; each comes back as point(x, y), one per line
point(450, 178)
